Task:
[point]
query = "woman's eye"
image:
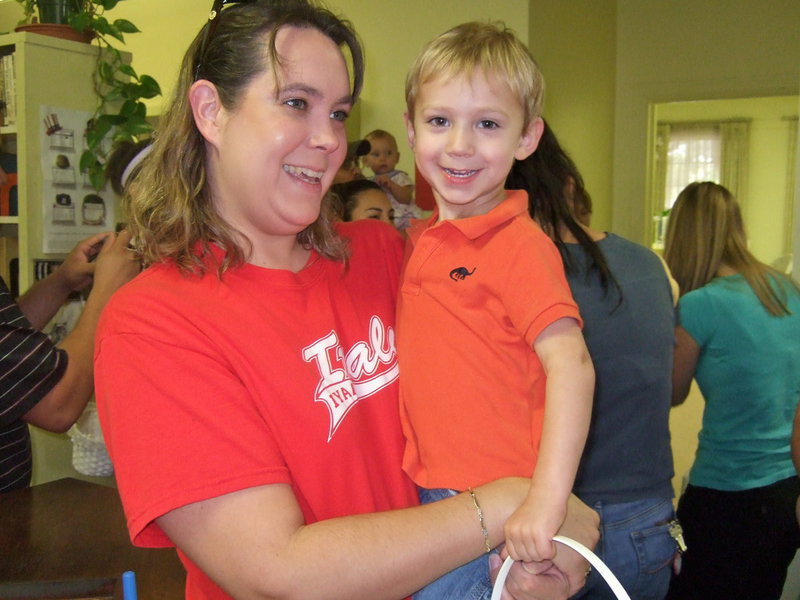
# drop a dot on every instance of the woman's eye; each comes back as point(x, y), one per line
point(297, 103)
point(488, 124)
point(339, 115)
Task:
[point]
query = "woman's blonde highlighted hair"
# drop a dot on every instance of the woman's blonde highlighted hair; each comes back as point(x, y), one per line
point(705, 232)
point(491, 49)
point(169, 207)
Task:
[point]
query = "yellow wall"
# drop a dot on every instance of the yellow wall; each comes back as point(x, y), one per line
point(575, 45)
point(764, 204)
point(690, 50)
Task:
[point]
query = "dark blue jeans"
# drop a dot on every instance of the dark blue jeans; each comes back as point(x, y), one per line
point(635, 544)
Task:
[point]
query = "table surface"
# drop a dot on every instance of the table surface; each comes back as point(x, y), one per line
point(73, 531)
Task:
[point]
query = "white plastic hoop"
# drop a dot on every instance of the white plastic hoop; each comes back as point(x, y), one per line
point(593, 559)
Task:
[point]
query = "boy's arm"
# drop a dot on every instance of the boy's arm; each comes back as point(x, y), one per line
point(568, 407)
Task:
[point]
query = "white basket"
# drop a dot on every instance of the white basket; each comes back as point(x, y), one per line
point(593, 559)
point(89, 453)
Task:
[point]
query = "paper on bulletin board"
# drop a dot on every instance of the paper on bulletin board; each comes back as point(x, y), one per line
point(71, 208)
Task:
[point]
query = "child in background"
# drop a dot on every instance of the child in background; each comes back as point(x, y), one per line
point(382, 160)
point(489, 336)
point(363, 199)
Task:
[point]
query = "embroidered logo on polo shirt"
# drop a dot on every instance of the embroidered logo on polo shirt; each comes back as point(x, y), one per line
point(348, 377)
point(461, 273)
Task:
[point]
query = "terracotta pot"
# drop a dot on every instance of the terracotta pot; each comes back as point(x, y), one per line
point(64, 32)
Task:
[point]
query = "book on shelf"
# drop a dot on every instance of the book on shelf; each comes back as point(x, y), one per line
point(8, 89)
point(8, 191)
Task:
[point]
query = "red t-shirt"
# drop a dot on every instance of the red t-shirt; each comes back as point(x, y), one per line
point(208, 386)
point(476, 292)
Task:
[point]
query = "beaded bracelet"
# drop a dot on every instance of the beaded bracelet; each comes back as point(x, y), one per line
point(484, 531)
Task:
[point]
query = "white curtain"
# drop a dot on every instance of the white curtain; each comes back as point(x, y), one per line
point(689, 151)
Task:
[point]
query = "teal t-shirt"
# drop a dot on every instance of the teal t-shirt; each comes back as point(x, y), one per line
point(749, 373)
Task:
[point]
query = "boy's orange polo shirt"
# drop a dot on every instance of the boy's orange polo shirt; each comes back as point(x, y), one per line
point(475, 294)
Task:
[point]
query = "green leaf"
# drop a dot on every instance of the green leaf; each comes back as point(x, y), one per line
point(106, 71)
point(96, 133)
point(87, 160)
point(125, 26)
point(97, 175)
point(149, 87)
point(115, 33)
point(101, 25)
point(128, 70)
point(80, 21)
point(129, 90)
point(107, 4)
point(139, 128)
point(130, 108)
point(111, 119)
point(115, 56)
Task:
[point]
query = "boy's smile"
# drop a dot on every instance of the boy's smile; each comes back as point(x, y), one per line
point(466, 134)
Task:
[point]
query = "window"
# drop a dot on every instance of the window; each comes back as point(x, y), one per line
point(692, 154)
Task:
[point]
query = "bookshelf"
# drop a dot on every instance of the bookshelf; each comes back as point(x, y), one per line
point(47, 71)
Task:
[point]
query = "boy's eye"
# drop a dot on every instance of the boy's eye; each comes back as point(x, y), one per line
point(339, 115)
point(438, 121)
point(297, 103)
point(488, 124)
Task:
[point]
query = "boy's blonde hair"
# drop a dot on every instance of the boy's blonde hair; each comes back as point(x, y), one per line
point(490, 48)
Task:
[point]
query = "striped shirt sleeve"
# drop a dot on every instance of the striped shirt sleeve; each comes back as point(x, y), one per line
point(30, 365)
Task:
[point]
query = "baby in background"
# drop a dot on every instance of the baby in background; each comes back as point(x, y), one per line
point(382, 160)
point(496, 378)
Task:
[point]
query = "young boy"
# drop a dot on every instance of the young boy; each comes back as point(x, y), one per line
point(496, 376)
point(382, 160)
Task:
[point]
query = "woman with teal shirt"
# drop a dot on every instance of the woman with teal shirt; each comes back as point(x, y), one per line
point(739, 337)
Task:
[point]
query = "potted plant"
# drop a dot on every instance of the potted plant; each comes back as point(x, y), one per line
point(121, 112)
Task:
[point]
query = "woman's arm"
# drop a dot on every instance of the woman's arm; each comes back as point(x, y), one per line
point(684, 364)
point(254, 544)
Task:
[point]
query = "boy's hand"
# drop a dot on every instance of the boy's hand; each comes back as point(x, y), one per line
point(529, 531)
point(563, 576)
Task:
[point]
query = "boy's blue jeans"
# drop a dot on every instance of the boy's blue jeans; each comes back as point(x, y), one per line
point(468, 582)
